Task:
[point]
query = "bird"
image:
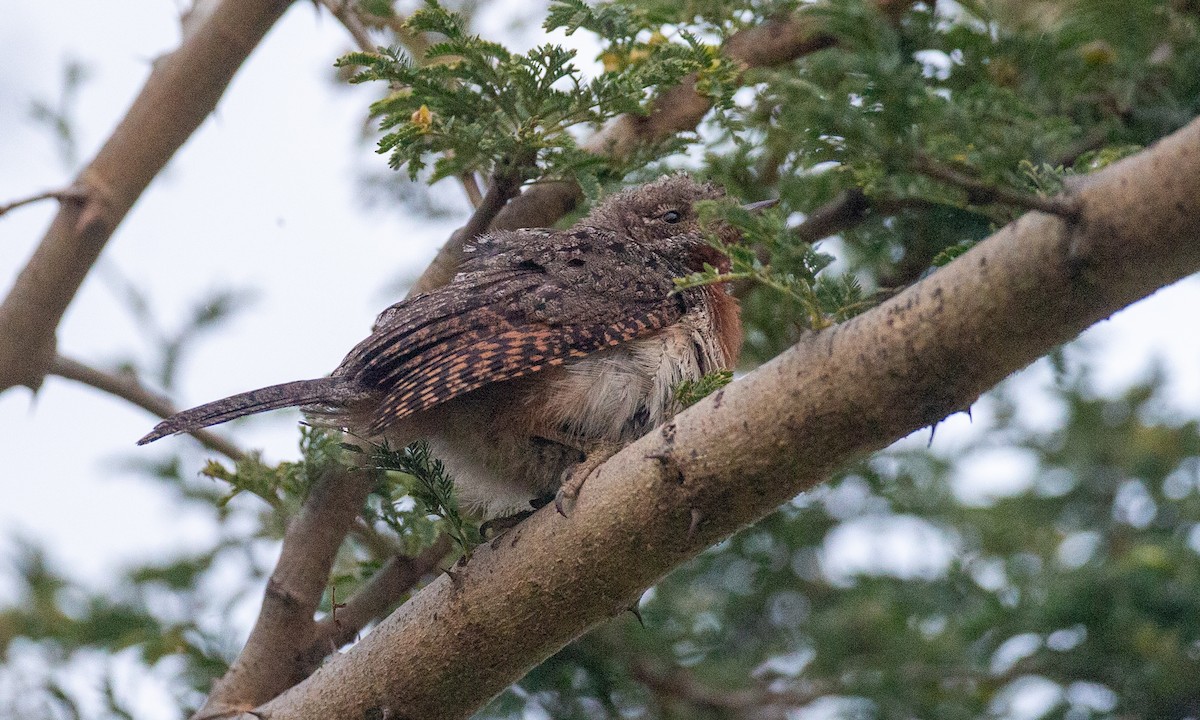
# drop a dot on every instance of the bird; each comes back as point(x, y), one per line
point(548, 351)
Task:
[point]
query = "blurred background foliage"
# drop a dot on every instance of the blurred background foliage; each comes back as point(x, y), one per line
point(1074, 592)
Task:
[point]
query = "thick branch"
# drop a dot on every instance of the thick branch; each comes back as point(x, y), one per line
point(679, 109)
point(182, 90)
point(273, 658)
point(736, 455)
point(128, 388)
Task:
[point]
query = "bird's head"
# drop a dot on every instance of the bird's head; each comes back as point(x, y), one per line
point(662, 215)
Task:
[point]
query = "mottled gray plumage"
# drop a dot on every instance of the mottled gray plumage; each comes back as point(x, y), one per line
point(493, 354)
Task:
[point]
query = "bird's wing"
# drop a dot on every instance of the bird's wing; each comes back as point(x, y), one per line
point(509, 315)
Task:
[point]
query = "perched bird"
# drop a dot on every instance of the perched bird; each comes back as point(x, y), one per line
point(549, 350)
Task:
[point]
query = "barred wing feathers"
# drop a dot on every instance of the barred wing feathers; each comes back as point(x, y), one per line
point(495, 324)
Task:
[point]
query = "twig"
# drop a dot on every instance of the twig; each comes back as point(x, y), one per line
point(73, 194)
point(844, 211)
point(500, 190)
point(681, 684)
point(347, 15)
point(982, 193)
point(128, 388)
point(385, 588)
point(1094, 140)
point(471, 186)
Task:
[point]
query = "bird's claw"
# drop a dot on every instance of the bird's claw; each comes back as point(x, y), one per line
point(564, 499)
point(576, 476)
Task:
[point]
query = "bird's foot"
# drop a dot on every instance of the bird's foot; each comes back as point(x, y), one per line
point(496, 527)
point(577, 475)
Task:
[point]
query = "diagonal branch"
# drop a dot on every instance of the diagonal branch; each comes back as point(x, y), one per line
point(128, 388)
point(371, 602)
point(272, 659)
point(846, 210)
point(680, 684)
point(983, 193)
point(500, 190)
point(736, 455)
point(181, 91)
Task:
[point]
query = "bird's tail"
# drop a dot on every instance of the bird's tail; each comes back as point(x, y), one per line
point(322, 391)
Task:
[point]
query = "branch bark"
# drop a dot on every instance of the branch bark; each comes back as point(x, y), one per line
point(182, 90)
point(274, 657)
point(735, 456)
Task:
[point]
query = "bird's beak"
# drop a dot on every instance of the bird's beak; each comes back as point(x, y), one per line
point(760, 205)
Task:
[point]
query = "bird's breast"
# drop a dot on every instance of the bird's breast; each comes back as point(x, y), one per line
point(619, 394)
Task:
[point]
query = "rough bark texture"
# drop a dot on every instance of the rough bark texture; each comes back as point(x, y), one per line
point(734, 457)
point(179, 94)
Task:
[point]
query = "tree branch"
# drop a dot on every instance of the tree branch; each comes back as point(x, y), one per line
point(844, 211)
point(67, 194)
point(347, 14)
point(982, 193)
point(128, 388)
point(681, 685)
point(735, 456)
point(273, 658)
point(500, 190)
point(181, 91)
point(372, 601)
point(471, 188)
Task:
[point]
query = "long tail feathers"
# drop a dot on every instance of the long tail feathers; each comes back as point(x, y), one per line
point(329, 390)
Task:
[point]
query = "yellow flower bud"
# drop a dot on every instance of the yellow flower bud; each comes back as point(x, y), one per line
point(611, 61)
point(422, 118)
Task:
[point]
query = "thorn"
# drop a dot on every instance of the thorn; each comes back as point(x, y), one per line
point(697, 516)
point(932, 432)
point(637, 613)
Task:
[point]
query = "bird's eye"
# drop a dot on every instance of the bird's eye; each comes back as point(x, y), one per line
point(672, 216)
